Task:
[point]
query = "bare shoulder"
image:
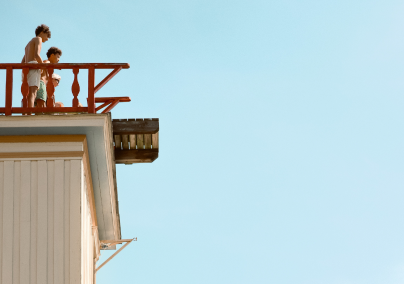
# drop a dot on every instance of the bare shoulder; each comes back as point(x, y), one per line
point(36, 40)
point(46, 61)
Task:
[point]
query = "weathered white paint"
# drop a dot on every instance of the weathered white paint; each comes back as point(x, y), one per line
point(46, 233)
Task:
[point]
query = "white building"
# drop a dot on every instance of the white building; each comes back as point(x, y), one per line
point(58, 193)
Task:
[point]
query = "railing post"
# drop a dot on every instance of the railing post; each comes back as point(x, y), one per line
point(75, 88)
point(24, 87)
point(50, 89)
point(91, 82)
point(9, 90)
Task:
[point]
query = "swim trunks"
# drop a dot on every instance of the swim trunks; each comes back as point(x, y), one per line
point(41, 94)
point(34, 76)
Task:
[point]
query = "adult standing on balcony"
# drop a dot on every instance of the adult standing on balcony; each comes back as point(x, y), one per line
point(53, 55)
point(32, 55)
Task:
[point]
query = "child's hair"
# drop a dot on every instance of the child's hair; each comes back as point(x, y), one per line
point(53, 50)
point(43, 28)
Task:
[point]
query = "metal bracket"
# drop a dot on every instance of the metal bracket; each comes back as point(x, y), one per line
point(108, 243)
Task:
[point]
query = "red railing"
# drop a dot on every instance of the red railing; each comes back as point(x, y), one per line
point(108, 102)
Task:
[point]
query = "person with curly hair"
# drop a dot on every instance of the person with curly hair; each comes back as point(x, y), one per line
point(32, 55)
point(53, 55)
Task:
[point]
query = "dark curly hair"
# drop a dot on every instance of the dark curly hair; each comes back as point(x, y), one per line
point(53, 50)
point(43, 28)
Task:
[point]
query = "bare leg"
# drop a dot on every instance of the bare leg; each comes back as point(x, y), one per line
point(32, 95)
point(40, 103)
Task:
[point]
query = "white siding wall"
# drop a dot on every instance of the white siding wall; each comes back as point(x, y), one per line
point(87, 239)
point(45, 223)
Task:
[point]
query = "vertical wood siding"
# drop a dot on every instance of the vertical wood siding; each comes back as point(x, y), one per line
point(75, 221)
point(45, 223)
point(1, 217)
point(87, 238)
point(34, 222)
point(8, 218)
point(25, 219)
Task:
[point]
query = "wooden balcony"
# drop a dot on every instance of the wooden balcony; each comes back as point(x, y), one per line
point(107, 103)
point(136, 140)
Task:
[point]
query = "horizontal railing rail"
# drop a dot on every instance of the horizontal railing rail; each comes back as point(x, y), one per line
point(108, 102)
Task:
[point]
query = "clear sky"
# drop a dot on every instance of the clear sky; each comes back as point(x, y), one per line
point(281, 133)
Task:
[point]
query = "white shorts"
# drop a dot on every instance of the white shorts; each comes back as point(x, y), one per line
point(34, 76)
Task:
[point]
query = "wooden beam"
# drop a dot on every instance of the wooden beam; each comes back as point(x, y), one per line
point(111, 106)
point(103, 105)
point(105, 99)
point(118, 144)
point(47, 109)
point(147, 141)
point(106, 79)
point(64, 65)
point(91, 99)
point(132, 141)
point(135, 156)
point(135, 126)
point(155, 140)
point(25, 87)
point(9, 90)
point(125, 142)
point(140, 141)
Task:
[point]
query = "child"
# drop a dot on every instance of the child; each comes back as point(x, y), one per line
point(55, 80)
point(53, 55)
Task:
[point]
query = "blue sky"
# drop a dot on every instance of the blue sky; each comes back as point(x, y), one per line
point(281, 156)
